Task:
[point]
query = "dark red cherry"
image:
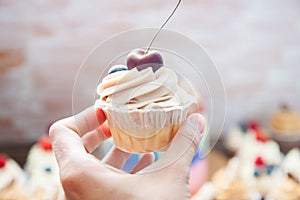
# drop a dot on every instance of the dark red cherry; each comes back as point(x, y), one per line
point(141, 60)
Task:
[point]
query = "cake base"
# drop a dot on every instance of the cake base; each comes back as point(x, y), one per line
point(131, 144)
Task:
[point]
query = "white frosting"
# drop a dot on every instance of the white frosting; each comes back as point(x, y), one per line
point(11, 173)
point(243, 170)
point(235, 138)
point(48, 185)
point(251, 149)
point(232, 169)
point(144, 89)
point(38, 161)
point(271, 153)
point(291, 163)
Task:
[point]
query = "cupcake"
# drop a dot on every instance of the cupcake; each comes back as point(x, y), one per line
point(259, 160)
point(237, 136)
point(264, 175)
point(42, 169)
point(286, 122)
point(285, 128)
point(244, 134)
point(260, 164)
point(289, 186)
point(144, 103)
point(11, 180)
point(230, 183)
point(254, 143)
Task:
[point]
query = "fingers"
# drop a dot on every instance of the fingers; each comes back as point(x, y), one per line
point(145, 160)
point(188, 139)
point(65, 142)
point(116, 158)
point(183, 147)
point(65, 134)
point(93, 139)
point(86, 121)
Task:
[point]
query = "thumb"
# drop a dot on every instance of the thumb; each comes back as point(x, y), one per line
point(183, 147)
point(187, 140)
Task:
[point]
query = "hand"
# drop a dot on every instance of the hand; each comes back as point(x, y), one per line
point(83, 176)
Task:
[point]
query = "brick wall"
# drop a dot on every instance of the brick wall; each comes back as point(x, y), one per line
point(255, 45)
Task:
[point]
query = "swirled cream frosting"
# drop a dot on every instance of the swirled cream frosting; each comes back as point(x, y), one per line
point(133, 89)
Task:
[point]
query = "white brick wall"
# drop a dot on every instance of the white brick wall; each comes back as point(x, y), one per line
point(255, 45)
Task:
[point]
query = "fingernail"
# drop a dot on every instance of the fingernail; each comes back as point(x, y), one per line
point(195, 121)
point(100, 115)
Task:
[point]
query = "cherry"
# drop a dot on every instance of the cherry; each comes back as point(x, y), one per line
point(260, 136)
point(3, 160)
point(45, 143)
point(259, 161)
point(141, 60)
point(253, 125)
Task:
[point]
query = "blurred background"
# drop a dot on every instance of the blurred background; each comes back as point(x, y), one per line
point(254, 44)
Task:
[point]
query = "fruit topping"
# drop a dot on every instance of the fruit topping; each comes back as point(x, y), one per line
point(3, 160)
point(260, 137)
point(48, 170)
point(141, 60)
point(117, 68)
point(45, 143)
point(253, 125)
point(259, 162)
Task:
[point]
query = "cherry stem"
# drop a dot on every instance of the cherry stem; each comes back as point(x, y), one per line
point(156, 34)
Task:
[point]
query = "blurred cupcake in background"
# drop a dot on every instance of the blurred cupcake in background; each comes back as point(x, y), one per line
point(289, 186)
point(245, 133)
point(260, 160)
point(42, 169)
point(258, 144)
point(286, 122)
point(228, 184)
point(236, 137)
point(11, 180)
point(251, 174)
point(285, 128)
point(264, 175)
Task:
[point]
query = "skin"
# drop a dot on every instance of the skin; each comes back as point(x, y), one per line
point(83, 176)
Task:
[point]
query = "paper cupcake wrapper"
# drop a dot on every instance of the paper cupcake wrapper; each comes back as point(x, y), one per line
point(141, 131)
point(144, 123)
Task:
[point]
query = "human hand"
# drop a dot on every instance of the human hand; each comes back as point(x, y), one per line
point(83, 176)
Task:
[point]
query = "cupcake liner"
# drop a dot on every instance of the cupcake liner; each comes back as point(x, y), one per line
point(140, 131)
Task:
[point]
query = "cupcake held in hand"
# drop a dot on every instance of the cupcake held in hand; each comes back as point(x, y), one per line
point(143, 102)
